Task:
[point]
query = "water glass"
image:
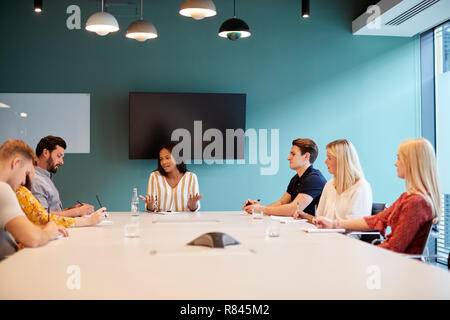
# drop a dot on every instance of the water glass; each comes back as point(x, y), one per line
point(273, 228)
point(257, 212)
point(131, 229)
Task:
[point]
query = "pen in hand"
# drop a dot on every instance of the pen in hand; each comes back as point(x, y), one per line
point(248, 202)
point(100, 204)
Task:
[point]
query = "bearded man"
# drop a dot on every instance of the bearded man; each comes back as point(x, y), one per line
point(50, 153)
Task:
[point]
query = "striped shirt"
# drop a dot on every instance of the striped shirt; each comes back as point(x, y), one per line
point(173, 199)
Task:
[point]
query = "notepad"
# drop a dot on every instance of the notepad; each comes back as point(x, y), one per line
point(60, 236)
point(288, 219)
point(105, 223)
point(169, 212)
point(311, 230)
point(187, 221)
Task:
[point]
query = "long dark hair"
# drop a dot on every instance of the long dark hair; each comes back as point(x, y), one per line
point(181, 166)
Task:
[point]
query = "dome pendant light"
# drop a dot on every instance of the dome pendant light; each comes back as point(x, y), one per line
point(102, 22)
point(141, 30)
point(37, 6)
point(234, 28)
point(305, 9)
point(198, 9)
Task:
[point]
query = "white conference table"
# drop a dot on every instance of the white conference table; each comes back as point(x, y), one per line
point(159, 265)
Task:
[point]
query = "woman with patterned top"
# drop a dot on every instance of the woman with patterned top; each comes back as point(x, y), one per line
point(172, 187)
point(410, 216)
point(39, 216)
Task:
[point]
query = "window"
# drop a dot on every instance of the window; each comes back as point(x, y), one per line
point(442, 105)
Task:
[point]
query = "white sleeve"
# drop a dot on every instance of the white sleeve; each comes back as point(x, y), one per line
point(9, 205)
point(152, 186)
point(323, 200)
point(196, 189)
point(360, 202)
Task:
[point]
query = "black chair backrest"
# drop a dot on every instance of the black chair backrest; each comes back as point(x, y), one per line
point(378, 207)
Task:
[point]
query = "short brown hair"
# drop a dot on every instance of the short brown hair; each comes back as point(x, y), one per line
point(50, 143)
point(16, 147)
point(307, 145)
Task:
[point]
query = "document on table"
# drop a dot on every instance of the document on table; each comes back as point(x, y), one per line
point(288, 219)
point(105, 223)
point(214, 221)
point(169, 212)
point(312, 230)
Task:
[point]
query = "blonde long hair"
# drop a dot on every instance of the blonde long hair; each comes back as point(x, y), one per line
point(348, 168)
point(419, 161)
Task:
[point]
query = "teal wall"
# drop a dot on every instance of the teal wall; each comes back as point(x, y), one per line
point(307, 78)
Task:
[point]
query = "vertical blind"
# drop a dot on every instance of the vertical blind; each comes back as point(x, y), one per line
point(443, 241)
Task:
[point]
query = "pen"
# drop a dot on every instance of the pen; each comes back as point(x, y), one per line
point(247, 203)
point(79, 202)
point(100, 204)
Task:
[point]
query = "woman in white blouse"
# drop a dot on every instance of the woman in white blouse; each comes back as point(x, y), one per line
point(171, 187)
point(348, 195)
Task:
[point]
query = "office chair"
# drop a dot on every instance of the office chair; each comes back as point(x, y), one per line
point(433, 232)
point(375, 238)
point(370, 236)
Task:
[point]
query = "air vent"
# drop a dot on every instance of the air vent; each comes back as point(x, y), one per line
point(401, 18)
point(408, 14)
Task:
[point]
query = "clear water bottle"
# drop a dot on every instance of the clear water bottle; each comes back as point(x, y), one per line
point(135, 203)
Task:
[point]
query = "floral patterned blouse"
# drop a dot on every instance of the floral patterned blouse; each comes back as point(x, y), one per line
point(36, 212)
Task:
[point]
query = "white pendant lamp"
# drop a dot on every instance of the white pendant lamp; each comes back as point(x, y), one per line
point(102, 22)
point(198, 9)
point(141, 30)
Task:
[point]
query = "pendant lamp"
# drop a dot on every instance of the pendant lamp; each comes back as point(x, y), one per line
point(141, 30)
point(198, 9)
point(305, 9)
point(37, 6)
point(102, 22)
point(234, 28)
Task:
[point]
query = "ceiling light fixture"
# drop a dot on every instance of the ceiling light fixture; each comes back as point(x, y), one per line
point(305, 9)
point(37, 6)
point(198, 9)
point(3, 105)
point(234, 28)
point(102, 22)
point(141, 30)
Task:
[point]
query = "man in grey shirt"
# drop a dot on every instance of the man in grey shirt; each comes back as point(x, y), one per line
point(50, 153)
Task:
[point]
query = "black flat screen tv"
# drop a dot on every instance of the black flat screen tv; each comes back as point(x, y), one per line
point(155, 116)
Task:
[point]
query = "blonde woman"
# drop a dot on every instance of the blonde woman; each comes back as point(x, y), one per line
point(348, 195)
point(37, 214)
point(410, 215)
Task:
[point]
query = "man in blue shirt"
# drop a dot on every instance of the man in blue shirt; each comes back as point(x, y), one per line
point(50, 153)
point(305, 188)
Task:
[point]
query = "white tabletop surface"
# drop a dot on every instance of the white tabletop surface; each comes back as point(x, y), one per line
point(159, 264)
